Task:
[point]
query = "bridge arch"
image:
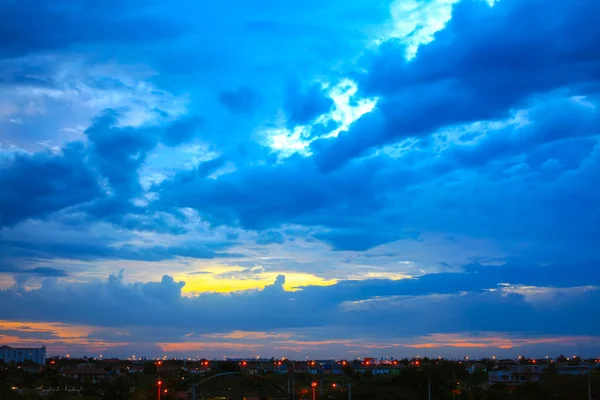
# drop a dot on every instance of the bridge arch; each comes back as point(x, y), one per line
point(206, 383)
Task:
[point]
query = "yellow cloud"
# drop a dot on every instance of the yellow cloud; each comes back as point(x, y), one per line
point(213, 282)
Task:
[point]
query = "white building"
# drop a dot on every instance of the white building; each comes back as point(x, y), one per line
point(19, 355)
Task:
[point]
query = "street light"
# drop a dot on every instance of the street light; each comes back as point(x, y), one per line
point(159, 384)
point(314, 387)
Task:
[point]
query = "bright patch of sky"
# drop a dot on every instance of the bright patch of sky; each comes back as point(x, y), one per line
point(288, 142)
point(415, 22)
point(346, 110)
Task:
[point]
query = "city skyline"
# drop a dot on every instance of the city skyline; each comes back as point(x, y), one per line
point(402, 177)
point(19, 355)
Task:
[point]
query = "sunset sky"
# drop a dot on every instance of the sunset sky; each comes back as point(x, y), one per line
point(300, 178)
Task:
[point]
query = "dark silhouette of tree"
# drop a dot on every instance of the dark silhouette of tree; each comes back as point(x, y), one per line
point(117, 390)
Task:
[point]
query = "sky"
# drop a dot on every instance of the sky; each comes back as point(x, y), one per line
point(300, 179)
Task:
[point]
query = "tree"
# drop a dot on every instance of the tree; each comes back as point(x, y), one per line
point(118, 390)
point(227, 366)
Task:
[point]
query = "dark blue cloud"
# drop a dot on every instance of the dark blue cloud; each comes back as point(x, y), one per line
point(46, 271)
point(381, 199)
point(182, 131)
point(240, 101)
point(559, 126)
point(474, 279)
point(269, 195)
point(495, 59)
point(31, 25)
point(38, 271)
point(17, 249)
point(358, 239)
point(118, 153)
point(39, 184)
point(304, 104)
point(113, 157)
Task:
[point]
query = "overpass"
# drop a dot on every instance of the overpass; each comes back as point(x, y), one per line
point(235, 386)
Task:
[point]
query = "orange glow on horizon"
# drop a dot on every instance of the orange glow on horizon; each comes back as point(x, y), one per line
point(200, 346)
point(66, 336)
point(495, 340)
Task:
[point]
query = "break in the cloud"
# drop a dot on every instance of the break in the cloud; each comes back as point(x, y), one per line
point(340, 178)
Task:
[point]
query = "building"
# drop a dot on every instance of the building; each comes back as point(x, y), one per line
point(499, 375)
point(86, 372)
point(474, 367)
point(575, 370)
point(516, 374)
point(19, 355)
